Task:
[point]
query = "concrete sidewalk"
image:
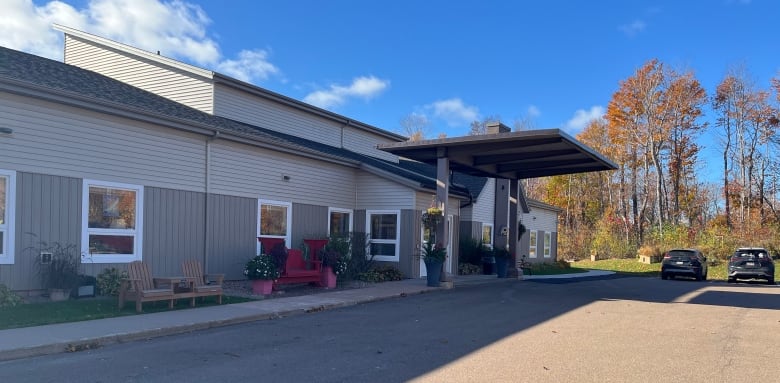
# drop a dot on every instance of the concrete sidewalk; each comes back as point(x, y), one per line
point(77, 336)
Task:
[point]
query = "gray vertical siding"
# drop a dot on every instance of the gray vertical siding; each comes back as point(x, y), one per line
point(48, 208)
point(173, 229)
point(472, 229)
point(455, 251)
point(408, 261)
point(308, 221)
point(232, 234)
point(360, 221)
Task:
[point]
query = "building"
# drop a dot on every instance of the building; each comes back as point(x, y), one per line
point(130, 155)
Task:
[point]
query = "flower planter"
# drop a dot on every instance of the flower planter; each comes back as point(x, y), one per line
point(433, 270)
point(329, 278)
point(58, 295)
point(502, 267)
point(262, 286)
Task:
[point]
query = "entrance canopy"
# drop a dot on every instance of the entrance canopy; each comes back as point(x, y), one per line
point(515, 155)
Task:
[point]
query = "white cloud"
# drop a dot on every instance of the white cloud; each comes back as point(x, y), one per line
point(582, 118)
point(175, 28)
point(636, 27)
point(454, 112)
point(361, 87)
point(533, 111)
point(250, 65)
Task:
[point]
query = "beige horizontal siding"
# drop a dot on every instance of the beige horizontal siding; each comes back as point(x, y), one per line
point(60, 140)
point(242, 170)
point(483, 209)
point(175, 84)
point(374, 192)
point(361, 141)
point(253, 110)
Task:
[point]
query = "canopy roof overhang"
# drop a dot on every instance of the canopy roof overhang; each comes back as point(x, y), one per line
point(515, 155)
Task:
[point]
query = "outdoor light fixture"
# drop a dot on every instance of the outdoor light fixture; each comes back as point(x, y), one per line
point(286, 177)
point(6, 131)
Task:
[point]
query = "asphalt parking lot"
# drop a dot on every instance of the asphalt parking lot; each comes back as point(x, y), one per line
point(626, 329)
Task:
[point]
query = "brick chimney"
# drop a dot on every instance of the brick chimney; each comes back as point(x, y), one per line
point(497, 127)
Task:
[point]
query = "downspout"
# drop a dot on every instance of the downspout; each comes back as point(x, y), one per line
point(346, 124)
point(207, 216)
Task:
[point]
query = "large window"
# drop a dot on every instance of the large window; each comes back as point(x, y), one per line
point(7, 217)
point(547, 245)
point(384, 233)
point(532, 244)
point(339, 222)
point(487, 234)
point(112, 220)
point(273, 220)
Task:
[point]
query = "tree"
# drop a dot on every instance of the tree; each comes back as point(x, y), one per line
point(415, 126)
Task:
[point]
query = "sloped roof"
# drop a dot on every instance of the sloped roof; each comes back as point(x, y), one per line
point(514, 155)
point(20, 72)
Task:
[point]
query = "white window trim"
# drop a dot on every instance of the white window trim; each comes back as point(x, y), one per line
point(288, 236)
point(533, 244)
point(7, 257)
point(137, 232)
point(547, 244)
point(396, 242)
point(339, 210)
point(482, 234)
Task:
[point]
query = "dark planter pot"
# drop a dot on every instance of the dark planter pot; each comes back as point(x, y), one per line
point(502, 266)
point(488, 264)
point(433, 270)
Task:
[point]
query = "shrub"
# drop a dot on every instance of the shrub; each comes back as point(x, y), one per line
point(381, 274)
point(108, 281)
point(8, 298)
point(358, 261)
point(470, 250)
point(468, 269)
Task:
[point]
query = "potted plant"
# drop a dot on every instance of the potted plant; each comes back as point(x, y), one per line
point(261, 270)
point(332, 266)
point(433, 256)
point(502, 257)
point(58, 268)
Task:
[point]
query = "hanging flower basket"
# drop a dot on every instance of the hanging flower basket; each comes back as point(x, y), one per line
point(432, 217)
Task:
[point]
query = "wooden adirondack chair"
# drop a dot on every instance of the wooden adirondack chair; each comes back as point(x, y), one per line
point(141, 287)
point(203, 285)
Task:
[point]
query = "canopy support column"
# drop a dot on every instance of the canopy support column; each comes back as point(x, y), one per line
point(442, 196)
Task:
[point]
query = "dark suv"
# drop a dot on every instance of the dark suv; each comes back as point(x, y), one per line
point(750, 263)
point(684, 262)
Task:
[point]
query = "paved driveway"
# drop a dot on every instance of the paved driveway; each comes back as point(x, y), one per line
point(633, 330)
point(611, 329)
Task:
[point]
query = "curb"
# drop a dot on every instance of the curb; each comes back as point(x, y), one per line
point(101, 341)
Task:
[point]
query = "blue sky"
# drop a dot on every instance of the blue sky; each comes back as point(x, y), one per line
point(555, 63)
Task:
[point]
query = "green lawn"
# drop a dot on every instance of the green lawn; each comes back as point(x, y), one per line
point(75, 310)
point(554, 269)
point(633, 266)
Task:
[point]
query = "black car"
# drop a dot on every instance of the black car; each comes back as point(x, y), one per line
point(684, 262)
point(751, 263)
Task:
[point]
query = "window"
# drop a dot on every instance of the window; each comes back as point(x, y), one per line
point(339, 222)
point(547, 244)
point(112, 220)
point(273, 220)
point(532, 244)
point(384, 233)
point(7, 216)
point(487, 234)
